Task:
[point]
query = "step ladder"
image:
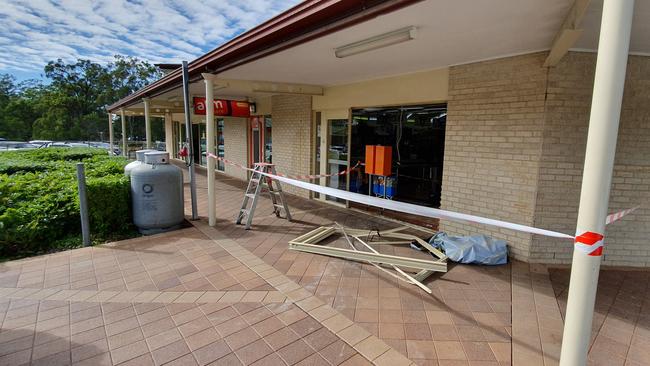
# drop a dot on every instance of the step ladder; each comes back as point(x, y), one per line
point(255, 186)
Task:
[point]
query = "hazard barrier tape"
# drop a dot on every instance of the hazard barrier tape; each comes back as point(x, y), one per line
point(589, 242)
point(299, 177)
point(619, 215)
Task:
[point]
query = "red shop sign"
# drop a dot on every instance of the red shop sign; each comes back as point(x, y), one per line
point(239, 109)
point(223, 107)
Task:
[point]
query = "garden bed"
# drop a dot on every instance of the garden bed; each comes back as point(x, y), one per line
point(39, 205)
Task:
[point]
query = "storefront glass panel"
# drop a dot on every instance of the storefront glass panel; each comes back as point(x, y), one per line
point(268, 156)
point(337, 154)
point(220, 144)
point(417, 137)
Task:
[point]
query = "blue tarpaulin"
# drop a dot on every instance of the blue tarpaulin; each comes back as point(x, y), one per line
point(477, 249)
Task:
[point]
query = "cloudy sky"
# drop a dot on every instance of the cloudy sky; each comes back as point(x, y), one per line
point(33, 32)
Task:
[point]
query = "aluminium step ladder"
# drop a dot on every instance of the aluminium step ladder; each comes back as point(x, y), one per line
point(255, 186)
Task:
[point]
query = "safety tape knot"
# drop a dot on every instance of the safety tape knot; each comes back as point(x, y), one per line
point(590, 243)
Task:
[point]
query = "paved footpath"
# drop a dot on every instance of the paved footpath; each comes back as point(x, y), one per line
point(227, 296)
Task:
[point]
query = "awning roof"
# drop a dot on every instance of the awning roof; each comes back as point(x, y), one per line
point(449, 32)
point(306, 21)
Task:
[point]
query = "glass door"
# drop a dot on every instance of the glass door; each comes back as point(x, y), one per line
point(219, 144)
point(337, 155)
point(317, 150)
point(332, 143)
point(260, 140)
point(267, 139)
point(177, 130)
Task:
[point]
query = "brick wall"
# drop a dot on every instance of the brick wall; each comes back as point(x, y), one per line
point(235, 145)
point(493, 144)
point(291, 134)
point(567, 117)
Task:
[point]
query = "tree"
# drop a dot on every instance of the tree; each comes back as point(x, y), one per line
point(72, 105)
point(17, 108)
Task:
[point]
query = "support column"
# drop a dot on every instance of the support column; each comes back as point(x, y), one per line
point(147, 122)
point(209, 121)
point(110, 134)
point(124, 146)
point(606, 103)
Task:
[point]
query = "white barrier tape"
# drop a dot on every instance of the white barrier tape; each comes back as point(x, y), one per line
point(300, 177)
point(425, 211)
point(619, 215)
point(415, 209)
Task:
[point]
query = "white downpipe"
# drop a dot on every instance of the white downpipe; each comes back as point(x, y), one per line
point(209, 121)
point(110, 134)
point(147, 122)
point(606, 102)
point(123, 120)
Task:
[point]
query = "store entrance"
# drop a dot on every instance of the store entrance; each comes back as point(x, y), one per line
point(199, 143)
point(260, 144)
point(417, 137)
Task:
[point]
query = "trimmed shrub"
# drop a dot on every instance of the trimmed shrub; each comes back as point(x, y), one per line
point(39, 204)
point(36, 208)
point(109, 206)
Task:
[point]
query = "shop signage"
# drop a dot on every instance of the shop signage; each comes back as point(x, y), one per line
point(223, 107)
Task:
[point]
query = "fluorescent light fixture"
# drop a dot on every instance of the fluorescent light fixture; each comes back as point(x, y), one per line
point(373, 43)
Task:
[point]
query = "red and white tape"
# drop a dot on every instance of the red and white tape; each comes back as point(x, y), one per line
point(618, 215)
point(586, 241)
point(589, 243)
point(298, 177)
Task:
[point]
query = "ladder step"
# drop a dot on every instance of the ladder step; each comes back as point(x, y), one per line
point(257, 184)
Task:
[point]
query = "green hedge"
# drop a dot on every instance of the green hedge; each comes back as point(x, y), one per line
point(109, 206)
point(39, 201)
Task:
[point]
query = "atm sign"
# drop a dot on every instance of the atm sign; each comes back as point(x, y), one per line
point(223, 107)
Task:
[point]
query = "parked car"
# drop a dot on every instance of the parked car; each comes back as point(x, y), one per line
point(57, 144)
point(75, 144)
point(104, 145)
point(40, 142)
point(16, 145)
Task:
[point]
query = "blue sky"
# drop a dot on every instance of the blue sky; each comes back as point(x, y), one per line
point(33, 32)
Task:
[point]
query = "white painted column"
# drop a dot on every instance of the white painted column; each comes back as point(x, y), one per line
point(606, 102)
point(110, 134)
point(147, 122)
point(209, 121)
point(124, 145)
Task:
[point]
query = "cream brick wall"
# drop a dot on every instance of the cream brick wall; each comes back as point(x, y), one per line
point(235, 145)
point(493, 143)
point(292, 138)
point(516, 135)
point(567, 117)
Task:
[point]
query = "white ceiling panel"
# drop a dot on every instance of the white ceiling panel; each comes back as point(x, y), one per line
point(450, 32)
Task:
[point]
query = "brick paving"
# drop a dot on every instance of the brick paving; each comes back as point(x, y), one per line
point(223, 295)
point(621, 325)
point(467, 319)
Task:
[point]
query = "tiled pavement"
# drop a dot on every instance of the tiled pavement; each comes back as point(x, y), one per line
point(621, 327)
point(467, 319)
point(175, 299)
point(225, 295)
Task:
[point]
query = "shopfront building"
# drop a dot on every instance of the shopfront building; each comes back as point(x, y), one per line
point(475, 126)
